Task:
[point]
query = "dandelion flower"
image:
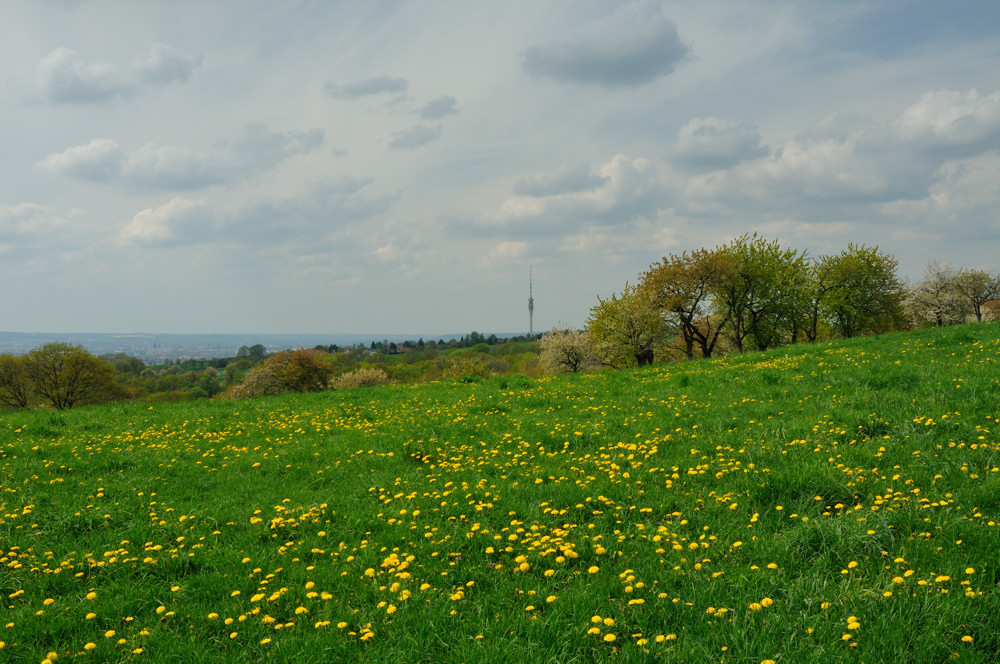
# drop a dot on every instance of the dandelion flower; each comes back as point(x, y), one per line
point(109, 634)
point(594, 569)
point(90, 646)
point(609, 638)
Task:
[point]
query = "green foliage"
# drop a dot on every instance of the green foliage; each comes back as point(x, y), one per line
point(760, 290)
point(625, 329)
point(684, 288)
point(15, 387)
point(858, 291)
point(67, 376)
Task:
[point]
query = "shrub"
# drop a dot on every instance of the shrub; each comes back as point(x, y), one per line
point(363, 377)
point(287, 371)
point(468, 366)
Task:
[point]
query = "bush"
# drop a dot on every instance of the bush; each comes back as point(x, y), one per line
point(363, 377)
point(287, 371)
point(468, 366)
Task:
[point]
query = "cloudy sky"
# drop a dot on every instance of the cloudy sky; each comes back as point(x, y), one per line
point(396, 167)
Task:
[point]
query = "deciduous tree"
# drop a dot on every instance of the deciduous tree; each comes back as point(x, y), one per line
point(15, 386)
point(978, 287)
point(761, 291)
point(683, 287)
point(68, 376)
point(863, 291)
point(936, 299)
point(624, 329)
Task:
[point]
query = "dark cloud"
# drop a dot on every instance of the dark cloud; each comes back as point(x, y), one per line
point(632, 47)
point(414, 137)
point(712, 143)
point(62, 77)
point(843, 161)
point(438, 108)
point(622, 192)
point(568, 180)
point(366, 87)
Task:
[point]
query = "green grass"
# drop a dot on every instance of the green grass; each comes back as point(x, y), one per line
point(737, 510)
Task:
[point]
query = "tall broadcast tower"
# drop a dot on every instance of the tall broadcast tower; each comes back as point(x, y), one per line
point(531, 307)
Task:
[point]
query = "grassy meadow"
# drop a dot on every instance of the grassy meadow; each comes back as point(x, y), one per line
point(829, 503)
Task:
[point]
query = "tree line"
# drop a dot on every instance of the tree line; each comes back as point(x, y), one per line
point(59, 375)
point(753, 293)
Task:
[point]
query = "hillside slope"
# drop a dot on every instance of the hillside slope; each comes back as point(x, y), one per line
point(837, 502)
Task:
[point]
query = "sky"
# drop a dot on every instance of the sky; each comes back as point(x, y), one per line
point(398, 167)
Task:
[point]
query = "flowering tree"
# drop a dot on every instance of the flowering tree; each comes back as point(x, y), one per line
point(566, 351)
point(936, 299)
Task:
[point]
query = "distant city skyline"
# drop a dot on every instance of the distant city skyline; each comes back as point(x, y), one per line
point(284, 165)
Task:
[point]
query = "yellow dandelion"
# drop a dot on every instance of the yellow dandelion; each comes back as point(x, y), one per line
point(90, 646)
point(609, 638)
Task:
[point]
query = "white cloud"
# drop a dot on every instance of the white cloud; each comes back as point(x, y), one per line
point(620, 192)
point(965, 196)
point(28, 219)
point(634, 46)
point(178, 222)
point(100, 160)
point(62, 77)
point(168, 168)
point(303, 222)
point(508, 249)
point(949, 119)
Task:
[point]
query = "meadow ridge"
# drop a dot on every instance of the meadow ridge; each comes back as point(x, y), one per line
point(837, 502)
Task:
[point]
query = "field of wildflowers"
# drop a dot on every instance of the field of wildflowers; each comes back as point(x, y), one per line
point(829, 503)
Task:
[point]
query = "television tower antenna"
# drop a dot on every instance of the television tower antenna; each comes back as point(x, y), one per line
point(531, 307)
